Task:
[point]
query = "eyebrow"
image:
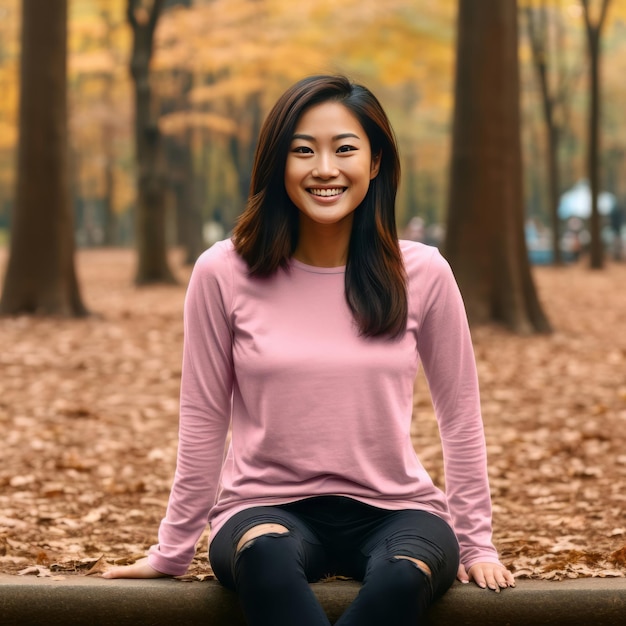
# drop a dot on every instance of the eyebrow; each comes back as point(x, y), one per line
point(335, 138)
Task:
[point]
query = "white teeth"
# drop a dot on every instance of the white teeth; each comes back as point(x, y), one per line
point(326, 192)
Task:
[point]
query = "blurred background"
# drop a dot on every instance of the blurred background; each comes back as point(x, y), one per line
point(218, 65)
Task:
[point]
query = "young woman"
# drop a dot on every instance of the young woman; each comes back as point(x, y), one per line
point(303, 334)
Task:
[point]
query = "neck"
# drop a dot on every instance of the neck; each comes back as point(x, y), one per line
point(323, 245)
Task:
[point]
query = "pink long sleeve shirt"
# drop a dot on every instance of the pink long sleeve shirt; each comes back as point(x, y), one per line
point(317, 409)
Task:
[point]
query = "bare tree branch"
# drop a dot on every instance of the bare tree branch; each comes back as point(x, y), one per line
point(130, 14)
point(157, 6)
point(597, 27)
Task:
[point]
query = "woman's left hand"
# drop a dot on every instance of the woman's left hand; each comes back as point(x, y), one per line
point(487, 575)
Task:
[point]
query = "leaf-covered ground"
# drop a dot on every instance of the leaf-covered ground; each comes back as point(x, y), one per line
point(88, 410)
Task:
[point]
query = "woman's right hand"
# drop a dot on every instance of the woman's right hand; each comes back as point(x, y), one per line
point(139, 569)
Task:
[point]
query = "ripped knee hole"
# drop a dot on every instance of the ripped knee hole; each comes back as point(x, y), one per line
point(258, 531)
point(419, 564)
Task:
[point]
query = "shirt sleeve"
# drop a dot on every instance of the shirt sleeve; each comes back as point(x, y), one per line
point(205, 407)
point(447, 355)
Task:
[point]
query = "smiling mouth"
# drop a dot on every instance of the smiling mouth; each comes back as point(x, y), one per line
point(325, 193)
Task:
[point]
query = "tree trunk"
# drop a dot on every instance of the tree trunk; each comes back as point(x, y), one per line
point(188, 217)
point(594, 32)
point(151, 219)
point(180, 166)
point(109, 216)
point(242, 150)
point(485, 241)
point(537, 30)
point(194, 241)
point(41, 277)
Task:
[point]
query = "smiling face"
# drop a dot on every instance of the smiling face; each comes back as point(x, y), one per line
point(329, 165)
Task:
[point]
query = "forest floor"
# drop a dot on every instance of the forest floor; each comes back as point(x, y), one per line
point(88, 410)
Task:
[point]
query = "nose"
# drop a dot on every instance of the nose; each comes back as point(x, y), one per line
point(325, 167)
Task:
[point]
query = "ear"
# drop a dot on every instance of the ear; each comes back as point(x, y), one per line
point(375, 166)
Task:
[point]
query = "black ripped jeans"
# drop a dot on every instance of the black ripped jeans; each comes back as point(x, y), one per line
point(333, 535)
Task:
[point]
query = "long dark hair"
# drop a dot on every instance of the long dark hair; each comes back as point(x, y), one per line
point(266, 234)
